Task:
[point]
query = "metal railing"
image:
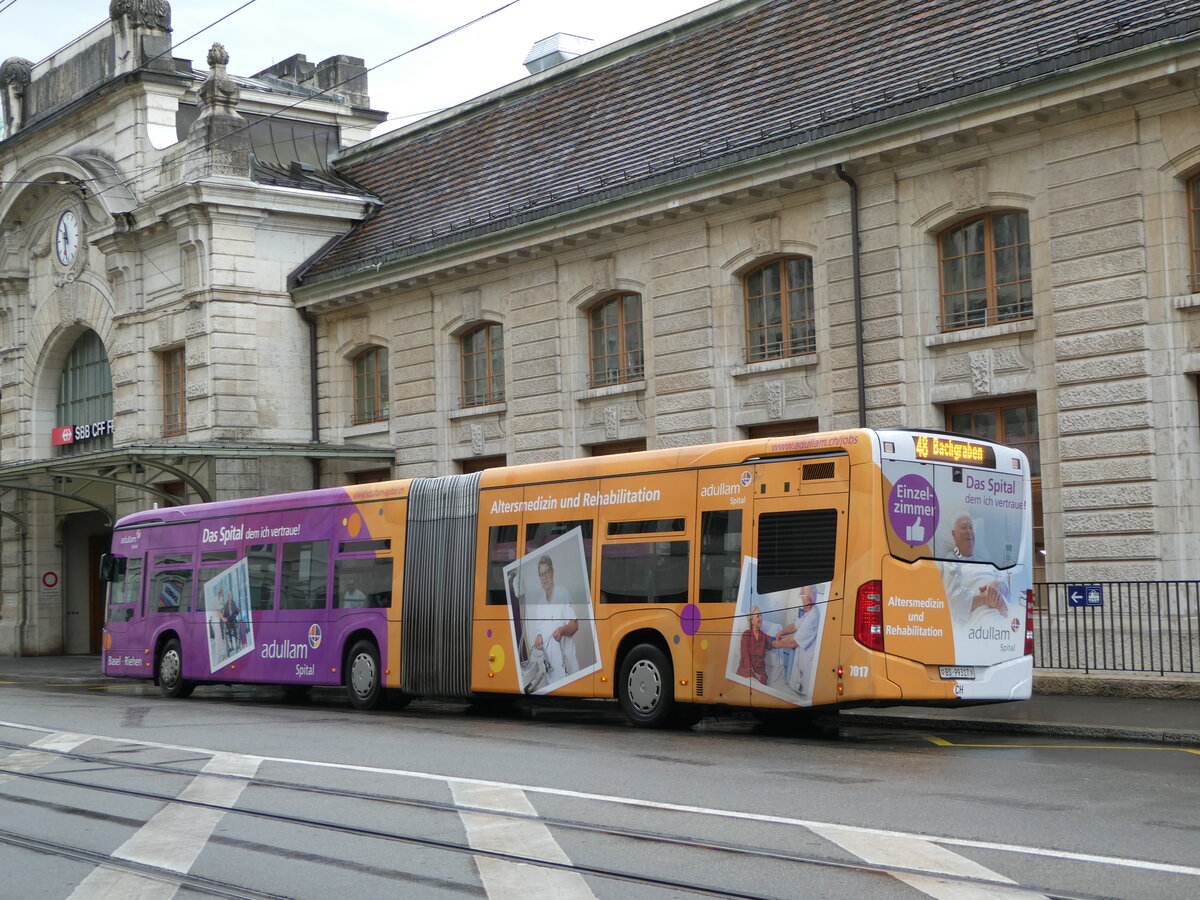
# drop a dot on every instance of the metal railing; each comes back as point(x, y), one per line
point(1151, 627)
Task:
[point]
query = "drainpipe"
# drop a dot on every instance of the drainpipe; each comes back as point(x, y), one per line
point(856, 256)
point(312, 393)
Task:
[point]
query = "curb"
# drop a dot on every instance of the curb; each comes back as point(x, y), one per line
point(1053, 729)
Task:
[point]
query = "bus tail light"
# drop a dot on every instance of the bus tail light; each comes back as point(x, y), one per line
point(1029, 622)
point(868, 615)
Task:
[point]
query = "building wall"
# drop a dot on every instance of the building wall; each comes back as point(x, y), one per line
point(1109, 353)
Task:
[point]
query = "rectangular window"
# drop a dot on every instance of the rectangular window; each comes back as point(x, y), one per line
point(171, 591)
point(174, 393)
point(651, 526)
point(260, 563)
point(305, 571)
point(483, 366)
point(796, 548)
point(651, 572)
point(538, 534)
point(720, 555)
point(363, 583)
point(125, 595)
point(364, 546)
point(502, 550)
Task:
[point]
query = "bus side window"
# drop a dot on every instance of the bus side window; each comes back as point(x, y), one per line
point(305, 582)
point(171, 591)
point(648, 572)
point(502, 550)
point(260, 564)
point(720, 555)
point(538, 534)
point(363, 582)
point(125, 595)
point(796, 548)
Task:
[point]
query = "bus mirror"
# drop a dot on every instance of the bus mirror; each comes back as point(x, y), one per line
point(112, 568)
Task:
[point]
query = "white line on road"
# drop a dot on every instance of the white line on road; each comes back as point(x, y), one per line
point(505, 880)
point(736, 815)
point(24, 761)
point(918, 853)
point(174, 836)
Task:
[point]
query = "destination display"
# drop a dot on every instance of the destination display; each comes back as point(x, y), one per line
point(932, 448)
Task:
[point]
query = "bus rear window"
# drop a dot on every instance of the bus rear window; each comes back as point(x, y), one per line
point(796, 548)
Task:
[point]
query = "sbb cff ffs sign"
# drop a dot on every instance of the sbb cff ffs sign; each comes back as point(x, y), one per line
point(73, 434)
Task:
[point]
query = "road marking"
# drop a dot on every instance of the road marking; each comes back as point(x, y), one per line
point(23, 761)
point(735, 815)
point(942, 742)
point(917, 853)
point(504, 880)
point(175, 835)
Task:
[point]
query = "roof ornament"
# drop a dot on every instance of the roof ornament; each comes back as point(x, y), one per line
point(219, 94)
point(142, 13)
point(15, 75)
point(219, 143)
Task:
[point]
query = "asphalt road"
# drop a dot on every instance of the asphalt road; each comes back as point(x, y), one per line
point(237, 793)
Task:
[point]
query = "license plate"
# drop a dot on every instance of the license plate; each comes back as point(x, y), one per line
point(962, 673)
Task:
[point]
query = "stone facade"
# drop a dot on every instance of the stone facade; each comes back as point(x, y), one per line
point(1099, 162)
point(182, 246)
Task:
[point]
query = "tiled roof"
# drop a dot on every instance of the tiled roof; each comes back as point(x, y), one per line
point(747, 81)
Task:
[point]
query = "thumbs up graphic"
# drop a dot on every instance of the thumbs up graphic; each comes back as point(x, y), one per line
point(915, 533)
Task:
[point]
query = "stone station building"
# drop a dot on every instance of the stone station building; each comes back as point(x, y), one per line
point(773, 216)
point(764, 217)
point(149, 350)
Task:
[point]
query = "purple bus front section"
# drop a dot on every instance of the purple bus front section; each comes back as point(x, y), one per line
point(273, 590)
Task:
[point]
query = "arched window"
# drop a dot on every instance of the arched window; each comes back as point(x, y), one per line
point(985, 271)
point(779, 309)
point(85, 409)
point(370, 385)
point(483, 365)
point(615, 341)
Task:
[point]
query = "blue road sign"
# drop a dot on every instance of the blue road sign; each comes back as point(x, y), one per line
point(1085, 595)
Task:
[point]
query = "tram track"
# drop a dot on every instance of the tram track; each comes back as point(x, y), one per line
point(660, 838)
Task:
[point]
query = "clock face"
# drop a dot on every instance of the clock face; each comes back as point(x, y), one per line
point(66, 238)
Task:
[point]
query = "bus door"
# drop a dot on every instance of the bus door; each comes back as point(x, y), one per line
point(171, 599)
point(786, 631)
point(124, 646)
point(723, 514)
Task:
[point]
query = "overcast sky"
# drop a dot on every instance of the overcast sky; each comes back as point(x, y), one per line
point(481, 58)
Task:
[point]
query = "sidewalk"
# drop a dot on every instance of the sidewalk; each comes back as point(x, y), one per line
point(1135, 717)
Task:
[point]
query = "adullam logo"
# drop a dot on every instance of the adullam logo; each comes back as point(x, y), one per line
point(1016, 625)
point(314, 636)
point(747, 477)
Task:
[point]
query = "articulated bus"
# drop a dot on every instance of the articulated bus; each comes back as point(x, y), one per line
point(856, 567)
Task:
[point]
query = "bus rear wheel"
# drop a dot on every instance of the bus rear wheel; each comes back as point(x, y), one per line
point(363, 682)
point(170, 671)
point(647, 689)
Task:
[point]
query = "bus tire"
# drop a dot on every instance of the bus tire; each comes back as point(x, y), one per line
point(363, 683)
point(647, 687)
point(170, 671)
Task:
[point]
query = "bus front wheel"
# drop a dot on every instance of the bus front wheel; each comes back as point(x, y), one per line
point(170, 671)
point(363, 684)
point(647, 688)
